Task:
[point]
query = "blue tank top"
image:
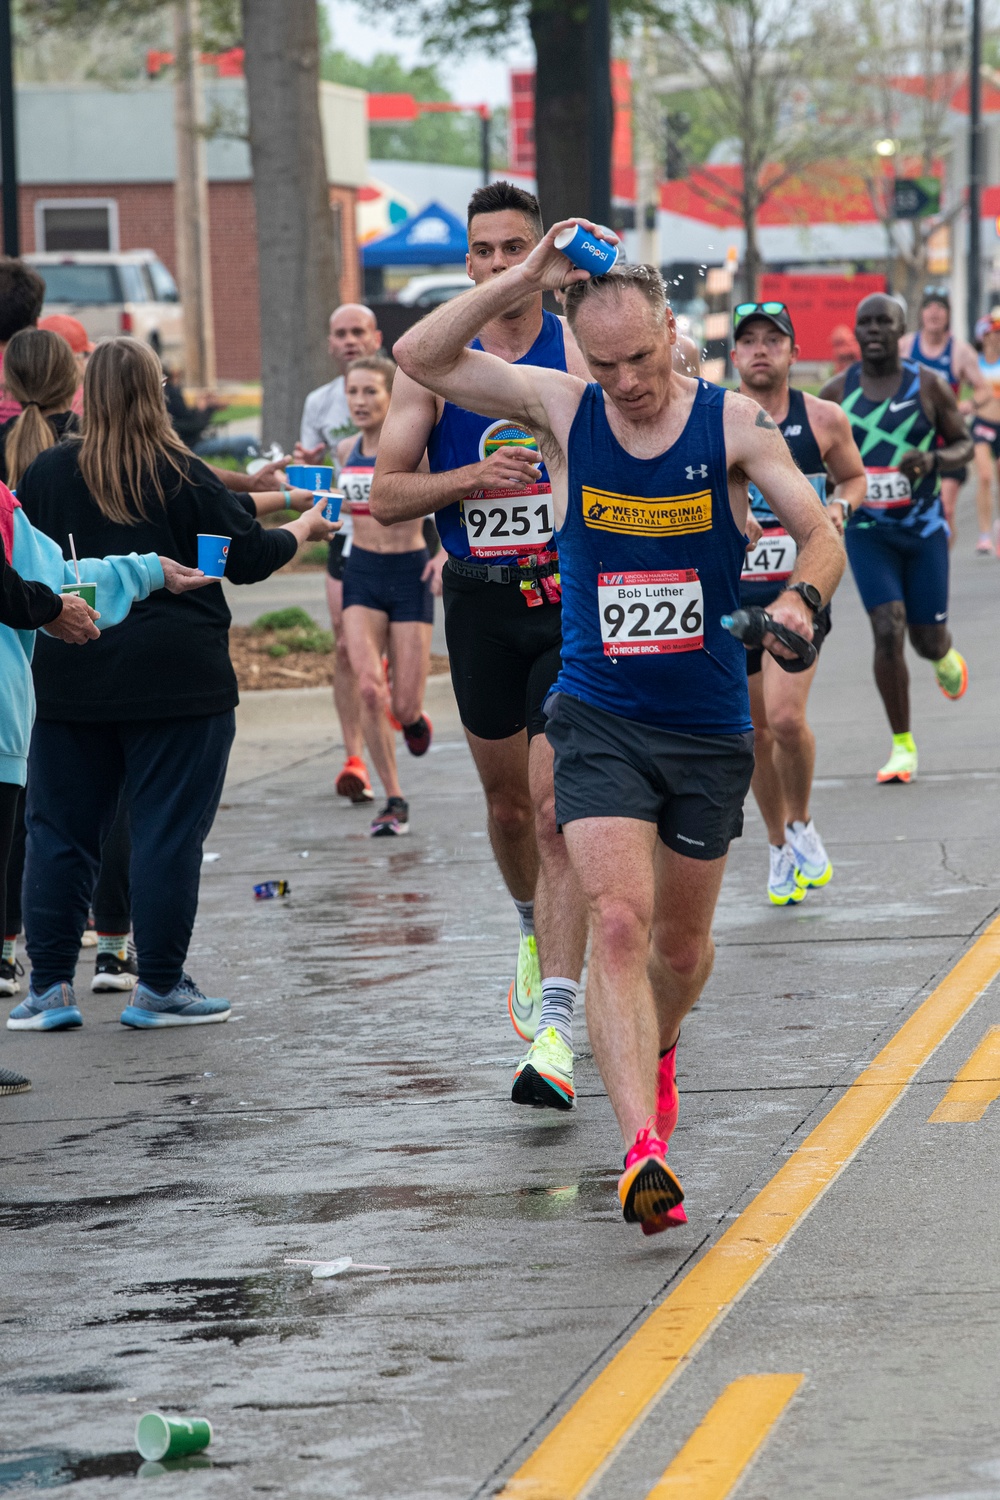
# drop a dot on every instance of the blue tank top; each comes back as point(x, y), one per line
point(497, 531)
point(802, 445)
point(884, 431)
point(939, 363)
point(650, 561)
point(356, 480)
point(768, 566)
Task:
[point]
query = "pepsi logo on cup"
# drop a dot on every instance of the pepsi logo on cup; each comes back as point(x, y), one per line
point(586, 250)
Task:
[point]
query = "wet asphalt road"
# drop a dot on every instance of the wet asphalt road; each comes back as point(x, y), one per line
point(358, 1104)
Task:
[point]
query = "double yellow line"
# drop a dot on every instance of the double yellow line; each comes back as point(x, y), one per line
point(584, 1441)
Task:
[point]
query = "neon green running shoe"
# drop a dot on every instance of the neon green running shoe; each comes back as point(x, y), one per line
point(952, 674)
point(544, 1076)
point(524, 998)
point(901, 765)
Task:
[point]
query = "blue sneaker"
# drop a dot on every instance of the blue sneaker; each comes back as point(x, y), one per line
point(184, 1005)
point(54, 1011)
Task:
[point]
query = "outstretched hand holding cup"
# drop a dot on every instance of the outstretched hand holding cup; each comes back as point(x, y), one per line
point(548, 267)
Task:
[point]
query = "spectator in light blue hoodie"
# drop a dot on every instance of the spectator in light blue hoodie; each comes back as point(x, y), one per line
point(30, 600)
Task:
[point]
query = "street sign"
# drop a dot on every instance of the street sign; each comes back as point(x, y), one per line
point(916, 197)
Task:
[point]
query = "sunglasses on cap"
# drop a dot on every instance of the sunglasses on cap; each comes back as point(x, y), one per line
point(744, 309)
point(936, 294)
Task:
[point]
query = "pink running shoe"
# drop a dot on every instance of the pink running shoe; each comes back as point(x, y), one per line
point(648, 1191)
point(667, 1097)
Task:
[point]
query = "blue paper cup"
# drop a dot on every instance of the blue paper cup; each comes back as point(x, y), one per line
point(315, 477)
point(212, 554)
point(331, 507)
point(587, 251)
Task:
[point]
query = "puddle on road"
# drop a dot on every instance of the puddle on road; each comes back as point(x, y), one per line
point(47, 1468)
point(592, 1194)
point(40, 1213)
point(77, 1383)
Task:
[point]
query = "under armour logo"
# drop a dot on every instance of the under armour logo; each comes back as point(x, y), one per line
point(699, 473)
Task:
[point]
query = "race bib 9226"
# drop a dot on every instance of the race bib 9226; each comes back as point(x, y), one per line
point(644, 614)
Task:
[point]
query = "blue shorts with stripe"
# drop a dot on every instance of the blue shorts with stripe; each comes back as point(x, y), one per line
point(892, 562)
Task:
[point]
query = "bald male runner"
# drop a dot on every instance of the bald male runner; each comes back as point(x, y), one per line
point(504, 624)
point(909, 431)
point(649, 719)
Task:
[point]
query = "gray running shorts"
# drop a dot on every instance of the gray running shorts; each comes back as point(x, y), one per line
point(692, 786)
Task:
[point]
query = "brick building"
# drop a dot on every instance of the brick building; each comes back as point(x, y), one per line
point(111, 154)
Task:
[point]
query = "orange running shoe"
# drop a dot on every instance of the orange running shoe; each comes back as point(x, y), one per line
point(648, 1191)
point(353, 781)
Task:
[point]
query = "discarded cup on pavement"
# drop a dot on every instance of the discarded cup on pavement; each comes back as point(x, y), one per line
point(587, 251)
point(158, 1437)
point(268, 889)
point(212, 554)
point(322, 1269)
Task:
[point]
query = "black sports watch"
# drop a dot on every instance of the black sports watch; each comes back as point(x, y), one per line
point(809, 593)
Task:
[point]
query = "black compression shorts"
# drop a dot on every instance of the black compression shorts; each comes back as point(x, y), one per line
point(504, 655)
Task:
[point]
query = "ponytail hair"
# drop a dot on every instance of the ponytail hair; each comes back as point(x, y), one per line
point(40, 372)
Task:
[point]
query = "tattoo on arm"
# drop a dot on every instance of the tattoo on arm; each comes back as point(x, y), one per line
point(763, 420)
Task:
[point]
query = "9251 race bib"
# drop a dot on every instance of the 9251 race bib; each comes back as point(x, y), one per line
point(357, 486)
point(646, 614)
point(888, 489)
point(508, 521)
point(771, 560)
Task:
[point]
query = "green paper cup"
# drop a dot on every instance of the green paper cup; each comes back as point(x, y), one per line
point(87, 592)
point(158, 1437)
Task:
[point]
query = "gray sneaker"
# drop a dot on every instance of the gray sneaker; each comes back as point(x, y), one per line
point(13, 1083)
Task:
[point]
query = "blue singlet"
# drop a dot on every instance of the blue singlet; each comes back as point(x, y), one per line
point(650, 561)
point(458, 440)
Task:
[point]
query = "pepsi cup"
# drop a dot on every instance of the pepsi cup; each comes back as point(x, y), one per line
point(331, 507)
point(586, 250)
point(212, 554)
point(315, 477)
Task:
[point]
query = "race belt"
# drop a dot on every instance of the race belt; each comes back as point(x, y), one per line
point(501, 572)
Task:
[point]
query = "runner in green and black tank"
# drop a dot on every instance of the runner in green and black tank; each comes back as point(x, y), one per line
point(897, 542)
point(819, 439)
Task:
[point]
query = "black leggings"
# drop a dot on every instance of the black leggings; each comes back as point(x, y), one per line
point(111, 900)
point(11, 819)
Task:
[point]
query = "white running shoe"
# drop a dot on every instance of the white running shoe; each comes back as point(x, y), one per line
point(782, 886)
point(812, 863)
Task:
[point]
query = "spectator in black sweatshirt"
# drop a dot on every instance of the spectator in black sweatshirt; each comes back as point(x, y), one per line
point(149, 708)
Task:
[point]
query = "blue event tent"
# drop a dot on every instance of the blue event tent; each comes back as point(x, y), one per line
point(433, 237)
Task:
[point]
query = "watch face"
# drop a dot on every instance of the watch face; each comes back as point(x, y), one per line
point(811, 595)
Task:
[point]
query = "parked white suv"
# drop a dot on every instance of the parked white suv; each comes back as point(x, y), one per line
point(113, 292)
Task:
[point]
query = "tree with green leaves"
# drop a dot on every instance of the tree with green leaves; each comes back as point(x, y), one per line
point(563, 104)
point(295, 242)
point(777, 78)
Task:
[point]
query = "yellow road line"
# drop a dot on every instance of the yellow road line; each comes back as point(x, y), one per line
point(585, 1439)
point(976, 1085)
point(724, 1442)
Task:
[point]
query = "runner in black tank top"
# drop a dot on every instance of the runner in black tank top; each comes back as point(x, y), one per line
point(819, 438)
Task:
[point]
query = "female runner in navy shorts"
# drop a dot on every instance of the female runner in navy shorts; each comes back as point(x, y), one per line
point(388, 606)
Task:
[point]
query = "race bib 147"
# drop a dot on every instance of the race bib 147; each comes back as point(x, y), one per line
point(644, 614)
point(772, 559)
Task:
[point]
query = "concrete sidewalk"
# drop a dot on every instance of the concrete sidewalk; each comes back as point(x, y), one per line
point(358, 1104)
